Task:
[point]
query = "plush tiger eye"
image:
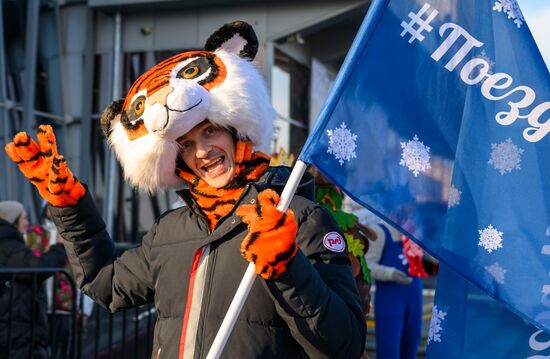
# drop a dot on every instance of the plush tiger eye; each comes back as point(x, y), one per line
point(194, 69)
point(190, 72)
point(139, 106)
point(136, 108)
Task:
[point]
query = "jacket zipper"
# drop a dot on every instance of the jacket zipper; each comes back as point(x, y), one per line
point(207, 294)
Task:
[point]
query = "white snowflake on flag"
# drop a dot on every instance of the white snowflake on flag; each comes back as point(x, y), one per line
point(342, 143)
point(490, 238)
point(454, 196)
point(415, 156)
point(484, 56)
point(497, 272)
point(505, 156)
point(510, 8)
point(436, 325)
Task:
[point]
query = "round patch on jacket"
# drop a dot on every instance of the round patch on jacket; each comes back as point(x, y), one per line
point(334, 242)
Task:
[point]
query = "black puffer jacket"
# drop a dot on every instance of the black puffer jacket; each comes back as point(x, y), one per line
point(14, 254)
point(311, 310)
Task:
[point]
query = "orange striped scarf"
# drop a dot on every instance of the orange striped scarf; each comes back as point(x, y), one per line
point(215, 203)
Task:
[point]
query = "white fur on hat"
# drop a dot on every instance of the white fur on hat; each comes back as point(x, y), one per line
point(242, 102)
point(10, 210)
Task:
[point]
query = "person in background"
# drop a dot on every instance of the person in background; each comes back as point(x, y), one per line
point(357, 236)
point(397, 268)
point(27, 336)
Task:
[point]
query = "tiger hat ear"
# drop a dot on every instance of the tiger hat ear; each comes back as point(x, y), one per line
point(109, 114)
point(236, 37)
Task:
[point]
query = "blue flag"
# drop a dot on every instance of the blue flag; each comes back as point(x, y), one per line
point(439, 122)
point(467, 323)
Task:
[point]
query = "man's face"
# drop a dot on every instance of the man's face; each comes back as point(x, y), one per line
point(209, 151)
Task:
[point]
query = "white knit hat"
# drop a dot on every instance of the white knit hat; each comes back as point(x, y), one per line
point(10, 210)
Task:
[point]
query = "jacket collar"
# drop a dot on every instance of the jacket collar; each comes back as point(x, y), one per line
point(277, 177)
point(8, 230)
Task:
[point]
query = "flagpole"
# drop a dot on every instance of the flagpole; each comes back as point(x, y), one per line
point(250, 275)
point(361, 38)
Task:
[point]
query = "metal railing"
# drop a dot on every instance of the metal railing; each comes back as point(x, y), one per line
point(14, 279)
point(127, 334)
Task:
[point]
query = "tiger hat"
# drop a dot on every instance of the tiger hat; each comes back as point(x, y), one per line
point(219, 83)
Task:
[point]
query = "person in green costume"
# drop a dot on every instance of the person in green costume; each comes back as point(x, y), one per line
point(357, 235)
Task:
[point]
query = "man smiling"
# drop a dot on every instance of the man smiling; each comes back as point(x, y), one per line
point(191, 261)
point(209, 152)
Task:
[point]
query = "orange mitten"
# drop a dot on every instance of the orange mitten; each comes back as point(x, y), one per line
point(45, 168)
point(271, 240)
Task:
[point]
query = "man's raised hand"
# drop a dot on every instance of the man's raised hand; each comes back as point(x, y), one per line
point(45, 168)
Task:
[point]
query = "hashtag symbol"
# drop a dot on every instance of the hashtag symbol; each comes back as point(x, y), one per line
point(423, 25)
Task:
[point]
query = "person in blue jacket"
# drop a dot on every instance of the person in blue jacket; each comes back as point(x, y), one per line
point(396, 266)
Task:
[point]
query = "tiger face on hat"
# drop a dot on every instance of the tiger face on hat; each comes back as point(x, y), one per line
point(219, 84)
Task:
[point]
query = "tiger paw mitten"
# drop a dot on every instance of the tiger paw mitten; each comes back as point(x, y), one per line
point(45, 168)
point(271, 240)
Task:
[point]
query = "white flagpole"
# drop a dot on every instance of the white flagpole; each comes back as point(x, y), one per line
point(250, 275)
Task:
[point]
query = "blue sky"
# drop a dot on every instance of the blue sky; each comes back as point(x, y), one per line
point(537, 16)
